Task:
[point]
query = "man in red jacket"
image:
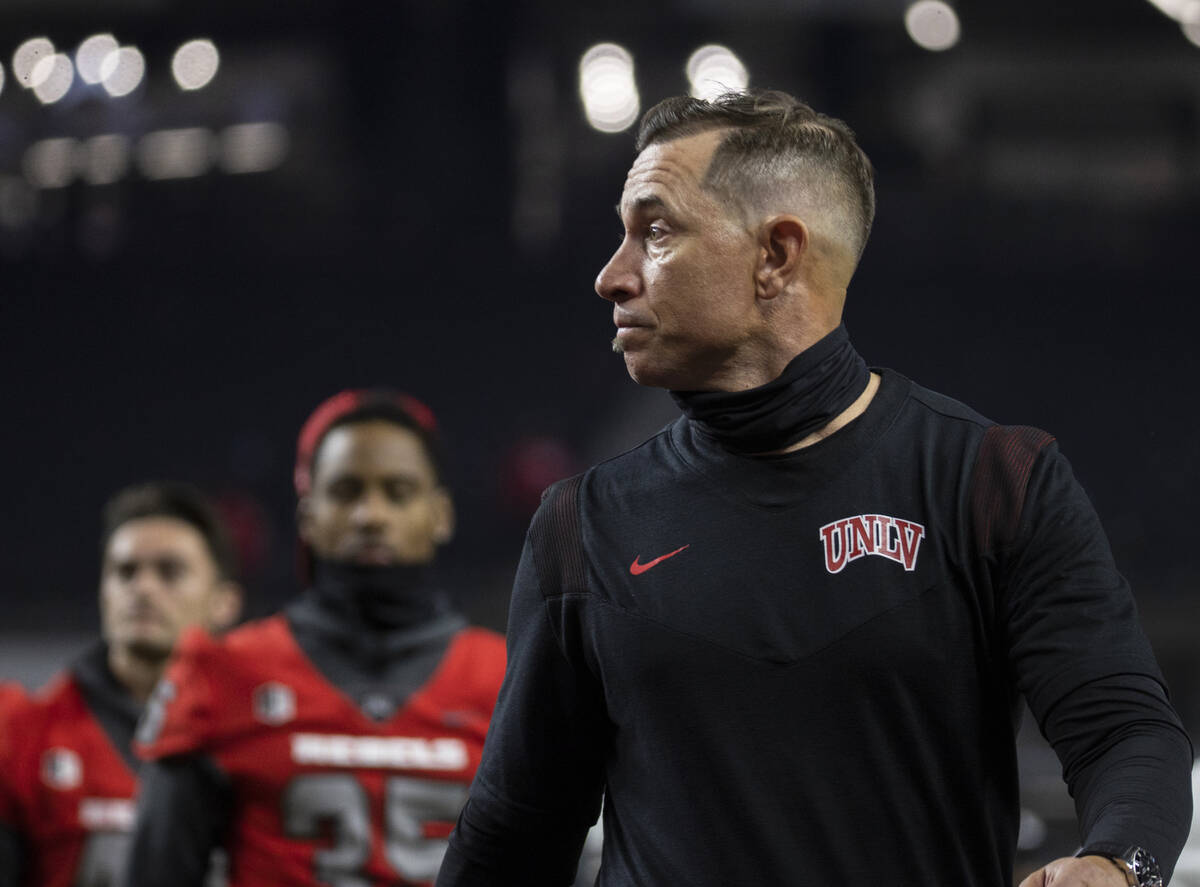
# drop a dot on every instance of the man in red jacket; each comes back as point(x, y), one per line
point(68, 775)
point(333, 742)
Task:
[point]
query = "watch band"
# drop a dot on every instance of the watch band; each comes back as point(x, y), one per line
point(1137, 863)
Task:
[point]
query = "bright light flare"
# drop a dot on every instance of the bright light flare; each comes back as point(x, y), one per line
point(253, 147)
point(1189, 22)
point(52, 78)
point(606, 85)
point(50, 163)
point(122, 71)
point(91, 55)
point(175, 153)
point(713, 70)
point(27, 57)
point(104, 159)
point(932, 25)
point(195, 64)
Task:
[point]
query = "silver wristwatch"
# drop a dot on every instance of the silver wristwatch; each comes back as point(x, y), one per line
point(1139, 866)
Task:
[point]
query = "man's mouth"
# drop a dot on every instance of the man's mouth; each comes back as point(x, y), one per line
point(373, 554)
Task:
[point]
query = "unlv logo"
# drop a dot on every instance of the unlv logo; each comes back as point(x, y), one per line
point(850, 538)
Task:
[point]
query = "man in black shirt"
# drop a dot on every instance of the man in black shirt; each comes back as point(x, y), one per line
point(786, 638)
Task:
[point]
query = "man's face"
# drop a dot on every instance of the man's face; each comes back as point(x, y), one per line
point(158, 578)
point(375, 498)
point(682, 280)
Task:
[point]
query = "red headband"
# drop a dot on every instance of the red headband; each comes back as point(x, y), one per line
point(343, 404)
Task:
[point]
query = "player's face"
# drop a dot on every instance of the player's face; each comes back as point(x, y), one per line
point(158, 578)
point(375, 498)
point(682, 280)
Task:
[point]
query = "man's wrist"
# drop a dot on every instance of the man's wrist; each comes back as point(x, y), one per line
point(1136, 863)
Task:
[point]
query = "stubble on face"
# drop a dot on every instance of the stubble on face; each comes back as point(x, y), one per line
point(686, 293)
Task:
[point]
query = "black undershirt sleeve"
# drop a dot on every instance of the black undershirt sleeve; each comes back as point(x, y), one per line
point(183, 811)
point(539, 785)
point(12, 857)
point(1077, 652)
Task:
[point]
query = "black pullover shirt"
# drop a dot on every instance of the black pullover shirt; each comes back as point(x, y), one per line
point(807, 668)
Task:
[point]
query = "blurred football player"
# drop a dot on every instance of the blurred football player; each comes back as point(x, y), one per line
point(332, 743)
point(13, 703)
point(69, 772)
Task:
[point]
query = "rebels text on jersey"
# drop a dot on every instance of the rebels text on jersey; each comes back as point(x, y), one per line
point(323, 793)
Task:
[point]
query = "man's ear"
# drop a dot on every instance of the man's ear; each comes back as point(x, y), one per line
point(304, 518)
point(443, 516)
point(226, 606)
point(783, 242)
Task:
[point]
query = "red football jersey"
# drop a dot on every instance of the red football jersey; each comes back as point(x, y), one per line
point(322, 793)
point(70, 793)
point(13, 703)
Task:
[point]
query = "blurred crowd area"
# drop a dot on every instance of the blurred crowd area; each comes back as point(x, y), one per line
point(425, 202)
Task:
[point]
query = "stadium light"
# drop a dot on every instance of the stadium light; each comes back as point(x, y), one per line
point(175, 153)
point(52, 77)
point(713, 70)
point(933, 25)
point(195, 64)
point(122, 71)
point(26, 58)
point(50, 163)
point(1189, 21)
point(606, 85)
point(91, 55)
point(253, 147)
point(1175, 9)
point(104, 159)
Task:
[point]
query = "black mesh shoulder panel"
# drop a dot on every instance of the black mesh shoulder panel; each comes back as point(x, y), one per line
point(1002, 470)
point(556, 536)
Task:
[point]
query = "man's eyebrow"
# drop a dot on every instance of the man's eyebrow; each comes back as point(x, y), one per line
point(650, 201)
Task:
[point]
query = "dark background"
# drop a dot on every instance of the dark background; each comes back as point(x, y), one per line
point(444, 207)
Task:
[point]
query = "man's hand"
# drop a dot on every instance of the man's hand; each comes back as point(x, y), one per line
point(1083, 871)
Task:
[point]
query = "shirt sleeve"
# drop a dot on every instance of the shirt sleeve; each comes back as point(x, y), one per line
point(183, 812)
point(1077, 652)
point(538, 787)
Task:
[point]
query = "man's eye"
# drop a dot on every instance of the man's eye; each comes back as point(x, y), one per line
point(344, 490)
point(654, 232)
point(401, 492)
point(169, 571)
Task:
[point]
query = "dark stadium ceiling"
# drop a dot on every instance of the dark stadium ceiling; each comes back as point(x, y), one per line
point(1023, 105)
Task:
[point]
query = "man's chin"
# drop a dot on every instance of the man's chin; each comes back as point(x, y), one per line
point(149, 650)
point(374, 558)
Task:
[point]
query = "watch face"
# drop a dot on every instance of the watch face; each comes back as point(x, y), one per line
point(1145, 868)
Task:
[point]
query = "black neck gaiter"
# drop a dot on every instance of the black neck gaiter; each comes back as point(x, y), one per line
point(816, 386)
point(375, 598)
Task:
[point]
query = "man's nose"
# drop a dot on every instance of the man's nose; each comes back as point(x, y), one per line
point(618, 280)
point(144, 581)
point(371, 509)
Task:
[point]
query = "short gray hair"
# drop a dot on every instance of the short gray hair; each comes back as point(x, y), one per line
point(775, 143)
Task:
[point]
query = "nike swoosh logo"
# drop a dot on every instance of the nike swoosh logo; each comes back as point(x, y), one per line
point(638, 569)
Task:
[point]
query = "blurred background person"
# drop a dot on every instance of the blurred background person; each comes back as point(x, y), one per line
point(70, 775)
point(13, 699)
point(332, 742)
